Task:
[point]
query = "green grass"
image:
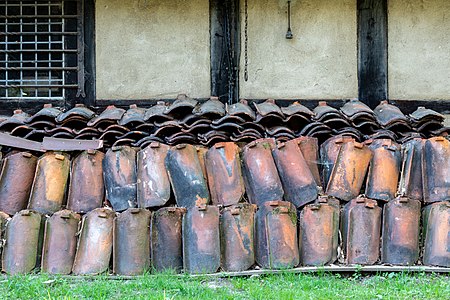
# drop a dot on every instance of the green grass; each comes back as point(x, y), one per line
point(283, 286)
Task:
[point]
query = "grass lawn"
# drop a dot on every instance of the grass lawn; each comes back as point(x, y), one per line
point(283, 286)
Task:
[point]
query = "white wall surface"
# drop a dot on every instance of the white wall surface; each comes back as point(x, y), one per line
point(419, 49)
point(319, 63)
point(152, 49)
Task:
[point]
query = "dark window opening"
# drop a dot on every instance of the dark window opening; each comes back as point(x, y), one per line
point(40, 42)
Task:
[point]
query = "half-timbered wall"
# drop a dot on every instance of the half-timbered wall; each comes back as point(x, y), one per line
point(320, 62)
point(147, 49)
point(419, 49)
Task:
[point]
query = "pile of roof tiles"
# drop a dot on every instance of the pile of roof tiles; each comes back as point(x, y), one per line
point(204, 187)
point(210, 122)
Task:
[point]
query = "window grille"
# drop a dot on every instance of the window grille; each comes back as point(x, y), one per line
point(41, 49)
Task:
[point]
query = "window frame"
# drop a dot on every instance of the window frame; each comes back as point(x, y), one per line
point(84, 75)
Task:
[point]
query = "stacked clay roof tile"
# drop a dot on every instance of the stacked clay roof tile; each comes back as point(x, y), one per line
point(207, 186)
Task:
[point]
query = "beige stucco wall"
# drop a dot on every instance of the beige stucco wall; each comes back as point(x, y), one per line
point(319, 63)
point(152, 49)
point(419, 49)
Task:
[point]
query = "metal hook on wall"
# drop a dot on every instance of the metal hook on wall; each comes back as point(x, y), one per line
point(289, 34)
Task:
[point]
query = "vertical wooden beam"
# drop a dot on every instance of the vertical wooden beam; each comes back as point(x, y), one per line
point(89, 52)
point(225, 40)
point(372, 51)
point(88, 22)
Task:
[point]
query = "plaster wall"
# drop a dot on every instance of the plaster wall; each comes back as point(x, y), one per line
point(320, 62)
point(149, 49)
point(419, 49)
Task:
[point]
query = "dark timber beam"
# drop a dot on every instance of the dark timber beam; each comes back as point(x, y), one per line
point(86, 8)
point(372, 51)
point(89, 52)
point(225, 40)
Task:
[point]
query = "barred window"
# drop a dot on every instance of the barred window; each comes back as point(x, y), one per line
point(41, 49)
